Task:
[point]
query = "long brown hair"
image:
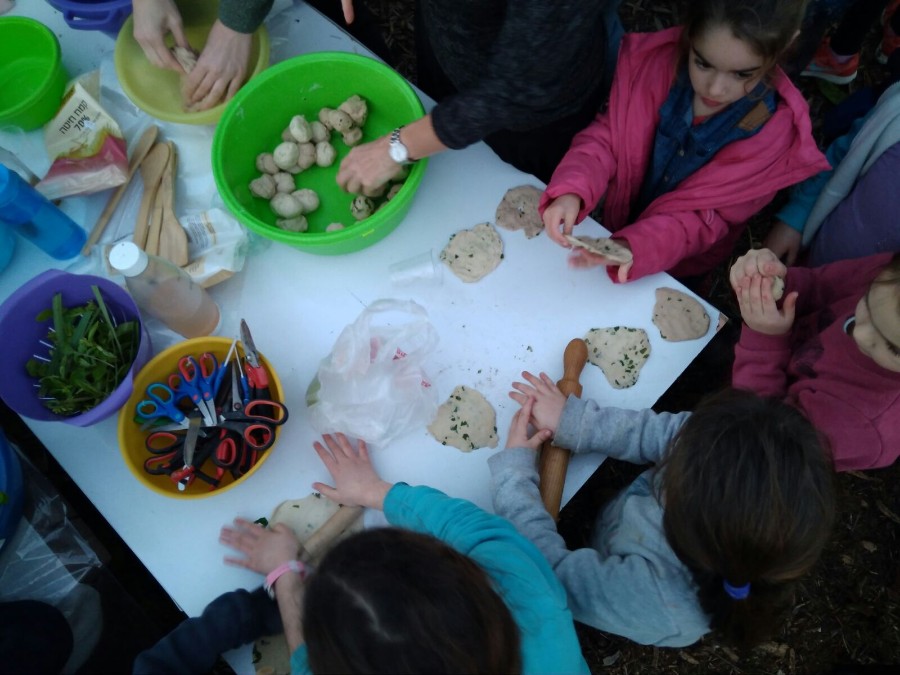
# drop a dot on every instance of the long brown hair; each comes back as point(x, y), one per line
point(748, 504)
point(394, 601)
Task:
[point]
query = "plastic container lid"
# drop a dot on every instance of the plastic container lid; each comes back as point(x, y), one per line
point(128, 258)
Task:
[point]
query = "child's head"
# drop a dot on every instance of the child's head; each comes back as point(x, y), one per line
point(748, 507)
point(731, 45)
point(391, 600)
point(876, 329)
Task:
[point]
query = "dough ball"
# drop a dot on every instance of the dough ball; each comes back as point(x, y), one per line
point(187, 58)
point(286, 205)
point(264, 186)
point(295, 224)
point(319, 132)
point(620, 352)
point(608, 248)
point(286, 155)
point(265, 163)
point(472, 254)
point(308, 199)
point(334, 227)
point(777, 288)
point(300, 129)
point(518, 210)
point(466, 421)
point(679, 316)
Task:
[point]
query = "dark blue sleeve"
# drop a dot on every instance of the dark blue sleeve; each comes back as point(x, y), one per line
point(231, 620)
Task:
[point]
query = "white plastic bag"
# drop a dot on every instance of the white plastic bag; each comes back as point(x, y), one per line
point(373, 386)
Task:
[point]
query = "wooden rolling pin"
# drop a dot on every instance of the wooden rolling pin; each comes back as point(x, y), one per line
point(321, 539)
point(555, 461)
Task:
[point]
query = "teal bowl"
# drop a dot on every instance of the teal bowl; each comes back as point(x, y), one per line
point(252, 124)
point(32, 77)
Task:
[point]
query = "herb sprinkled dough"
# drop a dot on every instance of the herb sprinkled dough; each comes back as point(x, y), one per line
point(608, 248)
point(679, 316)
point(305, 516)
point(466, 421)
point(472, 254)
point(518, 210)
point(620, 352)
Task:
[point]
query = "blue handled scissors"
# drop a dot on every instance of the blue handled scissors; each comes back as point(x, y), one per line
point(197, 377)
point(160, 403)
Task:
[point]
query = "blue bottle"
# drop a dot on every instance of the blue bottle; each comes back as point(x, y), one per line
point(34, 217)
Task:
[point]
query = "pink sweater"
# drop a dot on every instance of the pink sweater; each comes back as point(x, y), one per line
point(694, 227)
point(819, 368)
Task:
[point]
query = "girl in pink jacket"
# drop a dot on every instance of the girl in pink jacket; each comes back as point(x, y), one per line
point(702, 130)
point(831, 348)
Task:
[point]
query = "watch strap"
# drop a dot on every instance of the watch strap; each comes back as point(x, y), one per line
point(294, 566)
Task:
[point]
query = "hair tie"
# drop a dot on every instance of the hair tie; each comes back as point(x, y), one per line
point(736, 592)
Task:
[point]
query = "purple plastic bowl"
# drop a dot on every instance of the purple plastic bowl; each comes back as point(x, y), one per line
point(106, 16)
point(20, 335)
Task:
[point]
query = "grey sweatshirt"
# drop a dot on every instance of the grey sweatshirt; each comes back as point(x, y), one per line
point(516, 65)
point(630, 582)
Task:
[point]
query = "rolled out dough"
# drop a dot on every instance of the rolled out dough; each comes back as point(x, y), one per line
point(620, 352)
point(473, 254)
point(466, 421)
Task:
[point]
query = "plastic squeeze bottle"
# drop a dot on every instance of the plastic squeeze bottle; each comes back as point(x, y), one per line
point(165, 291)
point(34, 217)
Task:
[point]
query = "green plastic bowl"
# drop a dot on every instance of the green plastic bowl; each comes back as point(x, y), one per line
point(32, 77)
point(254, 119)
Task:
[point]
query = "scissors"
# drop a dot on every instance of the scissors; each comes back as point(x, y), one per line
point(185, 475)
point(196, 380)
point(256, 374)
point(157, 465)
point(225, 456)
point(160, 403)
point(253, 423)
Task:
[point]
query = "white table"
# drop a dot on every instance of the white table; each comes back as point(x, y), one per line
point(518, 318)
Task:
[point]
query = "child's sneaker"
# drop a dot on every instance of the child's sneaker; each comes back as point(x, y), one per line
point(890, 41)
point(826, 67)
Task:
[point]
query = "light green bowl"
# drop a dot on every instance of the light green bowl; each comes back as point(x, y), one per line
point(254, 119)
point(32, 77)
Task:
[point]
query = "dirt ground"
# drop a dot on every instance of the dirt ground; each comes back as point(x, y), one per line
point(846, 619)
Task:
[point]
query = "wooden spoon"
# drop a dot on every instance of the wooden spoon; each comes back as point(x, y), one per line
point(173, 241)
point(152, 169)
point(145, 142)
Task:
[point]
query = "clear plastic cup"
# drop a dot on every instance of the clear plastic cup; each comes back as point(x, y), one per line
point(420, 269)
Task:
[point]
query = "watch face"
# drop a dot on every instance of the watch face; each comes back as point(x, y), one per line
point(398, 152)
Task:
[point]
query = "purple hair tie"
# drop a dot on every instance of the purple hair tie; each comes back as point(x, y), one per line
point(736, 592)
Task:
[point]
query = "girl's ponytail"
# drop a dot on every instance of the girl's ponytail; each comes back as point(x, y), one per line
point(747, 490)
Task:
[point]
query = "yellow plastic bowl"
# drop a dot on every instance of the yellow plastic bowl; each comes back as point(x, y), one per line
point(131, 438)
point(158, 91)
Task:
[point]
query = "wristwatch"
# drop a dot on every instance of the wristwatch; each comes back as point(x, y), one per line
point(398, 152)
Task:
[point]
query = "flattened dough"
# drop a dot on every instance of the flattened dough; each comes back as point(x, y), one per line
point(608, 248)
point(679, 316)
point(518, 210)
point(466, 421)
point(620, 352)
point(472, 254)
point(303, 516)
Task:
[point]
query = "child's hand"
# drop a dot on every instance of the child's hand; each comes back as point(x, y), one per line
point(581, 258)
point(518, 436)
point(758, 307)
point(264, 548)
point(784, 241)
point(355, 480)
point(548, 400)
point(561, 211)
point(757, 261)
